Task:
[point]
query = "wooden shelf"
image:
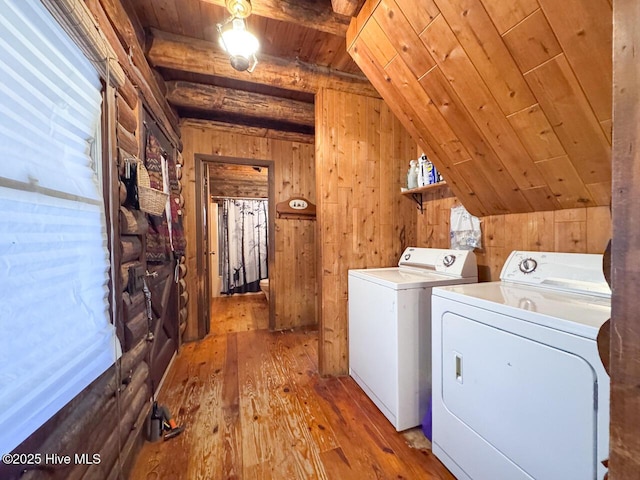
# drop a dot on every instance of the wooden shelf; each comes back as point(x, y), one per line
point(416, 193)
point(423, 189)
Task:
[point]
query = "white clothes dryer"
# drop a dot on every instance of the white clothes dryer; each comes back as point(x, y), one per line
point(519, 391)
point(390, 328)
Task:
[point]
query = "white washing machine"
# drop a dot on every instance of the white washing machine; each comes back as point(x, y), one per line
point(519, 391)
point(390, 328)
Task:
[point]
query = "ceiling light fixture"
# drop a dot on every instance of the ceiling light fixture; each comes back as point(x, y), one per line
point(236, 40)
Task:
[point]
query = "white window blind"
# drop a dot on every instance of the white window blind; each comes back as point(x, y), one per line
point(56, 332)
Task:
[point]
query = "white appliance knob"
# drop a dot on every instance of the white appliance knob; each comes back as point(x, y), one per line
point(528, 265)
point(407, 256)
point(448, 260)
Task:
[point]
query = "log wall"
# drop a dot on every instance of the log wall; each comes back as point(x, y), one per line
point(108, 417)
point(362, 158)
point(292, 283)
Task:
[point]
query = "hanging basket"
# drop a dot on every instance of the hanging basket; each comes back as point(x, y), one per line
point(152, 201)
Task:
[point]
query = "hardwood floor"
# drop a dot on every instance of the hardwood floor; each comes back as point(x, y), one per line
point(239, 313)
point(254, 407)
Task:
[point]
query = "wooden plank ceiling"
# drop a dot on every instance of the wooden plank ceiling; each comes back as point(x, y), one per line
point(302, 48)
point(511, 100)
point(238, 181)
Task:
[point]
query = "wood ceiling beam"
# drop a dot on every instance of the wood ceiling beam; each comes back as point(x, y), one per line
point(226, 100)
point(350, 8)
point(249, 130)
point(199, 56)
point(308, 13)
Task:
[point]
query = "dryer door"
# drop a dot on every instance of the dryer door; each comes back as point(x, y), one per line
point(532, 403)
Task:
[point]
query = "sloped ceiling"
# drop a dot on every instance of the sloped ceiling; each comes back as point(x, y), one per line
point(511, 100)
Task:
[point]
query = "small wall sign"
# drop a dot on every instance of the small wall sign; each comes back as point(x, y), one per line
point(296, 207)
point(298, 204)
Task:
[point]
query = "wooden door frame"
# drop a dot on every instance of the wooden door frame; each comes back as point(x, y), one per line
point(202, 249)
point(204, 294)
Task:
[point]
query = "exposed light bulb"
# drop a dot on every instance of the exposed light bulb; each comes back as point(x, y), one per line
point(240, 44)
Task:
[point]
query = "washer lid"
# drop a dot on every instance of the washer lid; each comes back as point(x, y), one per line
point(574, 313)
point(405, 278)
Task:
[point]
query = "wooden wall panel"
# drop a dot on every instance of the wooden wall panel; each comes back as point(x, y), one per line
point(568, 110)
point(532, 42)
point(294, 279)
point(414, 123)
point(518, 101)
point(477, 180)
point(507, 14)
point(565, 182)
point(536, 133)
point(485, 161)
point(404, 38)
point(419, 14)
point(459, 69)
point(584, 30)
point(409, 88)
point(581, 230)
point(481, 41)
point(382, 49)
point(292, 284)
point(624, 462)
point(363, 221)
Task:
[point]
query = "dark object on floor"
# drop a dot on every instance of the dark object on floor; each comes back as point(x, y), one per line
point(174, 432)
point(160, 421)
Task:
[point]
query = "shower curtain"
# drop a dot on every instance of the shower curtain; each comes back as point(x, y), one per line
point(244, 245)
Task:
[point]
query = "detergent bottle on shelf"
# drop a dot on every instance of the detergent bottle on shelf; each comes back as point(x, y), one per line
point(422, 171)
point(431, 173)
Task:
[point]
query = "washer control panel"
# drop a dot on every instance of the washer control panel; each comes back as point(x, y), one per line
point(460, 263)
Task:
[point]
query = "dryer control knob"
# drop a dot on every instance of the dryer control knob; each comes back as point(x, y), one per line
point(407, 256)
point(528, 265)
point(448, 260)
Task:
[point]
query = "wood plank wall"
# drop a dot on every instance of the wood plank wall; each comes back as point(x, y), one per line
point(362, 157)
point(576, 230)
point(293, 283)
point(625, 337)
point(511, 100)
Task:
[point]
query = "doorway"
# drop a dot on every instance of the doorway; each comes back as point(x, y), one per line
point(235, 194)
point(240, 256)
